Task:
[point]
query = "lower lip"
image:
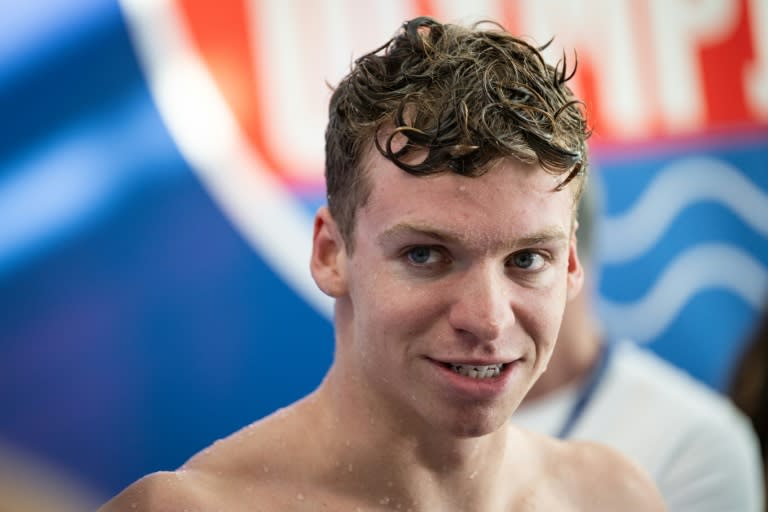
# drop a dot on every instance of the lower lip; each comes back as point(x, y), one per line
point(476, 389)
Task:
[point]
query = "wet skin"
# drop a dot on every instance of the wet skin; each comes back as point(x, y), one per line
point(450, 270)
point(446, 271)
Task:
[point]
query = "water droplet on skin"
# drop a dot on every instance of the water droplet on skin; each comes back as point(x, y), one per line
point(473, 475)
point(300, 497)
point(349, 467)
point(133, 505)
point(384, 500)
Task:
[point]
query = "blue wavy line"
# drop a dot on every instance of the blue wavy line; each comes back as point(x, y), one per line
point(681, 184)
point(702, 267)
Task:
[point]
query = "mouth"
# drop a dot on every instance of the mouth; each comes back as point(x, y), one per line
point(477, 372)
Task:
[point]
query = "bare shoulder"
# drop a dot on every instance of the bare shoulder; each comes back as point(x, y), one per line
point(583, 475)
point(247, 470)
point(164, 491)
point(220, 478)
point(601, 478)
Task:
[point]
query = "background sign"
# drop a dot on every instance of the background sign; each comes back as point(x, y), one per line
point(160, 162)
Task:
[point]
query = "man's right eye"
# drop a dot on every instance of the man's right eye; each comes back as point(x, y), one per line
point(423, 255)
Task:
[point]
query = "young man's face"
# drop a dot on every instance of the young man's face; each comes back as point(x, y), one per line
point(449, 306)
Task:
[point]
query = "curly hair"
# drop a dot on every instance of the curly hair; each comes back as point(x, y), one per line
point(462, 97)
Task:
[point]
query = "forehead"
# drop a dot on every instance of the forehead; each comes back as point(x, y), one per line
point(511, 200)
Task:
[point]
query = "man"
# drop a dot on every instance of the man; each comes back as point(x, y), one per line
point(698, 448)
point(454, 158)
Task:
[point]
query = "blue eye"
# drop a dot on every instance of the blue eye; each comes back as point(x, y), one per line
point(420, 255)
point(528, 260)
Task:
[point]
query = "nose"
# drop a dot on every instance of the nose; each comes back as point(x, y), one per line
point(482, 308)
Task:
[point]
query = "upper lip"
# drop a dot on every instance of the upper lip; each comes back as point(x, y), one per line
point(469, 361)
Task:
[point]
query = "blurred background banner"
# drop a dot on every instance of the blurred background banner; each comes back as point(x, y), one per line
point(160, 162)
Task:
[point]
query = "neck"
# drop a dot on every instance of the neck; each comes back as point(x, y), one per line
point(408, 464)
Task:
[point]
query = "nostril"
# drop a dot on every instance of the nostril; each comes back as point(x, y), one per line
point(475, 325)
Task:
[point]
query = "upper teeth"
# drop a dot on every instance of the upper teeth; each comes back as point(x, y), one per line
point(477, 372)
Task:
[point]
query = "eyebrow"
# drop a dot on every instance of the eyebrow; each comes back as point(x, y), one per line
point(546, 235)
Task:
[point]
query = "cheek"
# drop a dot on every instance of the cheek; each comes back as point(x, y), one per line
point(390, 308)
point(540, 315)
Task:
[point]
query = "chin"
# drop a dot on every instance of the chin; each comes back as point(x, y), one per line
point(472, 431)
point(478, 425)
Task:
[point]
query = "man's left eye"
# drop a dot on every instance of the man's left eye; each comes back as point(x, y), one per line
point(528, 260)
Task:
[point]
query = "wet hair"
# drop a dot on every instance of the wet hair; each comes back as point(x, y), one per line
point(445, 98)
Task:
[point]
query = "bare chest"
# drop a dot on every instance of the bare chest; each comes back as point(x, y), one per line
point(295, 498)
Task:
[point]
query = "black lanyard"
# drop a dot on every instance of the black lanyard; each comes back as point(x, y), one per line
point(587, 391)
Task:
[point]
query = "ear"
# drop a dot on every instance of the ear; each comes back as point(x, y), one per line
point(329, 256)
point(575, 278)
